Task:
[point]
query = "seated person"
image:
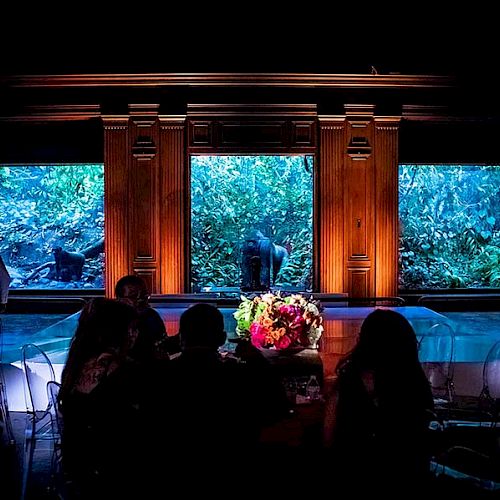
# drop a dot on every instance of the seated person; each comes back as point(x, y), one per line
point(99, 401)
point(377, 415)
point(153, 340)
point(207, 404)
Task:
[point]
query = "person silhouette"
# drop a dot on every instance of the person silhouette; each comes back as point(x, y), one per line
point(153, 341)
point(207, 405)
point(377, 414)
point(99, 400)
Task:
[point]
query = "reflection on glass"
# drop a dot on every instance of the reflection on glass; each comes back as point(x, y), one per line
point(449, 226)
point(251, 222)
point(52, 225)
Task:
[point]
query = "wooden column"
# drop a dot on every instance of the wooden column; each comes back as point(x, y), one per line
point(173, 208)
point(330, 204)
point(386, 189)
point(144, 215)
point(116, 168)
point(359, 202)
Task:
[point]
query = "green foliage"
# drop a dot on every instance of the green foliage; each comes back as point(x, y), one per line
point(233, 195)
point(449, 234)
point(248, 311)
point(47, 206)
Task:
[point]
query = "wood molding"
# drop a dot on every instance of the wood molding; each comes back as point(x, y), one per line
point(386, 194)
point(143, 110)
point(359, 202)
point(116, 206)
point(439, 114)
point(294, 80)
point(55, 113)
point(252, 110)
point(144, 185)
point(173, 206)
point(172, 122)
point(330, 192)
point(359, 110)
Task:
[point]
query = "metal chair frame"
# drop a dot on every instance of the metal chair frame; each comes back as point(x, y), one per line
point(4, 404)
point(39, 420)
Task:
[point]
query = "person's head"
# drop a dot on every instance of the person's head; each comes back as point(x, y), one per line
point(386, 338)
point(202, 326)
point(132, 290)
point(104, 326)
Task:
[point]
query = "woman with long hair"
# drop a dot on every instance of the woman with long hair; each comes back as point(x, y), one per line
point(377, 415)
point(99, 399)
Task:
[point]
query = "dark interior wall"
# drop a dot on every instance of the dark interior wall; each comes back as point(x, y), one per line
point(468, 142)
point(82, 142)
point(52, 142)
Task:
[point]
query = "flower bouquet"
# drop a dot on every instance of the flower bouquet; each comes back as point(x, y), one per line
point(270, 320)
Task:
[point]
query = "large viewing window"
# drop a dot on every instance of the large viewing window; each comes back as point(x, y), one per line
point(237, 201)
point(52, 225)
point(449, 226)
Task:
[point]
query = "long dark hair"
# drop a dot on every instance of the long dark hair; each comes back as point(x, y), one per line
point(103, 327)
point(388, 346)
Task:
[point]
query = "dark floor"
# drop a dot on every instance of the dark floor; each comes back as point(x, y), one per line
point(39, 486)
point(11, 457)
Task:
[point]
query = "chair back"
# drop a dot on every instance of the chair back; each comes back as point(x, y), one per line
point(437, 355)
point(490, 394)
point(37, 371)
point(53, 388)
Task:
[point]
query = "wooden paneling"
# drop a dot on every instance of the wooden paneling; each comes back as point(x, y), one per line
point(359, 203)
point(145, 156)
point(144, 216)
point(243, 80)
point(116, 157)
point(149, 275)
point(200, 133)
point(250, 134)
point(359, 281)
point(251, 128)
point(303, 134)
point(330, 204)
point(144, 184)
point(174, 210)
point(386, 189)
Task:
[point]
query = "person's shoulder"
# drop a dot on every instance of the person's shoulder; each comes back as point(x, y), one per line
point(149, 312)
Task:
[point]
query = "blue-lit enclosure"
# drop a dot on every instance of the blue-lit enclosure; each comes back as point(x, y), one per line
point(449, 226)
point(240, 201)
point(52, 225)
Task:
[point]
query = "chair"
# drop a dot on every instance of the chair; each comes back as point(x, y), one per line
point(470, 447)
point(40, 423)
point(437, 355)
point(57, 483)
point(489, 399)
point(4, 405)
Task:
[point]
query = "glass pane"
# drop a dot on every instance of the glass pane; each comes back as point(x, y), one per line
point(449, 226)
point(52, 225)
point(244, 209)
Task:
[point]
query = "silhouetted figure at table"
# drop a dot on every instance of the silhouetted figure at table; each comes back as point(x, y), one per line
point(4, 285)
point(376, 427)
point(207, 413)
point(99, 401)
point(153, 341)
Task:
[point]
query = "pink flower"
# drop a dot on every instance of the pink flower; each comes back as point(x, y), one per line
point(258, 334)
point(283, 342)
